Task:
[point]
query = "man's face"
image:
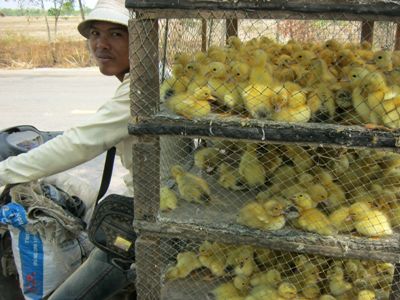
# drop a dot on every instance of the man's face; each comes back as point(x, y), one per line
point(110, 46)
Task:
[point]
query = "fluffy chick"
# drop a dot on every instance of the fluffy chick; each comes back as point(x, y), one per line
point(366, 295)
point(207, 159)
point(226, 291)
point(257, 100)
point(271, 278)
point(322, 103)
point(341, 220)
point(221, 88)
point(337, 284)
point(176, 84)
point(251, 169)
point(191, 188)
point(370, 222)
point(300, 157)
point(252, 215)
point(186, 262)
point(192, 106)
point(168, 199)
point(229, 178)
point(275, 212)
point(311, 219)
point(241, 260)
point(289, 105)
point(212, 256)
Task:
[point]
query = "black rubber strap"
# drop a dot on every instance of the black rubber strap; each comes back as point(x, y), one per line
point(107, 172)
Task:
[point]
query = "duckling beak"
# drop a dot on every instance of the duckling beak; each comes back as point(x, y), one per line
point(211, 98)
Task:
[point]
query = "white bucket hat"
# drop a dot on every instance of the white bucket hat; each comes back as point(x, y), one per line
point(113, 11)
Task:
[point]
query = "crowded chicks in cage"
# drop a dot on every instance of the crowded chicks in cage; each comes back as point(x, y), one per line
point(329, 81)
point(245, 272)
point(325, 191)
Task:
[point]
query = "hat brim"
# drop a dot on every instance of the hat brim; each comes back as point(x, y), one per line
point(104, 15)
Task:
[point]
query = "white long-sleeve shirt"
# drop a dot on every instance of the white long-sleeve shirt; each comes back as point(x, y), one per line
point(106, 128)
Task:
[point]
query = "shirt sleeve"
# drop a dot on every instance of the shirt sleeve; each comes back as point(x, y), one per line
point(106, 128)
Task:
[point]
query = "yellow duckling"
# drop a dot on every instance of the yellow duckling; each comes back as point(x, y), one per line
point(229, 178)
point(311, 219)
point(251, 169)
point(176, 84)
point(370, 222)
point(290, 106)
point(168, 199)
point(186, 262)
point(257, 100)
point(207, 159)
point(212, 256)
point(191, 188)
point(224, 90)
point(191, 106)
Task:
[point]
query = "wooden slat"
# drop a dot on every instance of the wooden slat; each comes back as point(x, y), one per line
point(267, 131)
point(379, 7)
point(259, 14)
point(148, 263)
point(340, 246)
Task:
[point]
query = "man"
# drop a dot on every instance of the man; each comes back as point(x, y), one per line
point(107, 32)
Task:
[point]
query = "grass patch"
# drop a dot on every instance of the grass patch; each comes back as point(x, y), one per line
point(21, 51)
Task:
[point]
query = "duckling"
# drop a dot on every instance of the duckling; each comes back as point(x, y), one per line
point(337, 284)
point(370, 222)
point(289, 105)
point(229, 178)
point(241, 259)
point(311, 219)
point(191, 187)
point(168, 199)
point(341, 219)
point(257, 100)
point(186, 263)
point(176, 84)
point(212, 256)
point(192, 106)
point(226, 291)
point(251, 169)
point(207, 159)
point(366, 295)
point(271, 278)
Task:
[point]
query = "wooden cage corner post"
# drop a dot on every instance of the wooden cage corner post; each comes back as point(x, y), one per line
point(397, 38)
point(203, 35)
point(367, 31)
point(144, 95)
point(231, 28)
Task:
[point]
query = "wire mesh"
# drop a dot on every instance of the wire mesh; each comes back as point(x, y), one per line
point(192, 269)
point(323, 190)
point(244, 65)
point(285, 70)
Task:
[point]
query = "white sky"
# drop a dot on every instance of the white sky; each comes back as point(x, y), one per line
point(27, 3)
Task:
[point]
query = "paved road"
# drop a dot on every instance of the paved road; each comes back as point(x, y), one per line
point(57, 99)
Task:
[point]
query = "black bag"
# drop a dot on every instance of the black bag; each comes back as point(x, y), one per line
point(110, 228)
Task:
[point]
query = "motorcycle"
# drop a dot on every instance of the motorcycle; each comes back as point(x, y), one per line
point(14, 141)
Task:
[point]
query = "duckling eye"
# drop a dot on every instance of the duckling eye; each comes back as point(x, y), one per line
point(300, 56)
point(354, 76)
point(379, 57)
point(214, 69)
point(237, 74)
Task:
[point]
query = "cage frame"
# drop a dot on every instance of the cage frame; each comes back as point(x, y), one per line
point(147, 126)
